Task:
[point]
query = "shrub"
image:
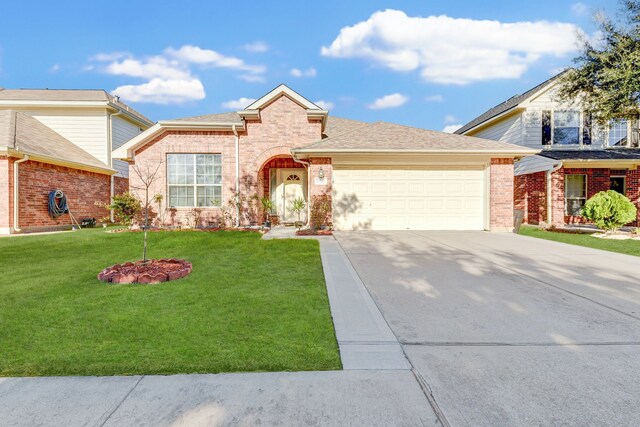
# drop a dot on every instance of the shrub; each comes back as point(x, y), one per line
point(609, 210)
point(320, 211)
point(125, 207)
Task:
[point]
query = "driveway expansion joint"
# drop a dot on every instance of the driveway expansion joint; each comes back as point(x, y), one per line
point(119, 404)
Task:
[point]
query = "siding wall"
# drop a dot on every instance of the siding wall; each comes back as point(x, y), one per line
point(532, 122)
point(507, 130)
point(85, 128)
point(123, 131)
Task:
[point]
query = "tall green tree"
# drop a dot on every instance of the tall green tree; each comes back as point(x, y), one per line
point(606, 78)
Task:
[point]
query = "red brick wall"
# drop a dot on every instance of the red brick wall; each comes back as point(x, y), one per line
point(283, 124)
point(501, 195)
point(121, 185)
point(530, 195)
point(597, 180)
point(82, 189)
point(633, 190)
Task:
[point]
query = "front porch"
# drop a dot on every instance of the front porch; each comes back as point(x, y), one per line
point(283, 181)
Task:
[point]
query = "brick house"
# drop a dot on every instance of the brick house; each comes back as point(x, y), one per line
point(367, 175)
point(577, 159)
point(61, 139)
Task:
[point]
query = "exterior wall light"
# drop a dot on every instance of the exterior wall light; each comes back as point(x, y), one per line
point(321, 173)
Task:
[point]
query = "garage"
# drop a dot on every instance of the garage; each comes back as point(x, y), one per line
point(409, 198)
point(384, 176)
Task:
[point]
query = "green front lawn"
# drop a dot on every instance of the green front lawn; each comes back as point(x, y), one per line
point(628, 247)
point(248, 305)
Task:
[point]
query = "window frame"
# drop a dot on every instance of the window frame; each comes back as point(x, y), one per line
point(580, 128)
point(584, 198)
point(629, 134)
point(195, 184)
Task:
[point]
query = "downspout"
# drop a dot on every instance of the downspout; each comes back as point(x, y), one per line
point(16, 195)
point(307, 166)
point(237, 195)
point(112, 183)
point(549, 198)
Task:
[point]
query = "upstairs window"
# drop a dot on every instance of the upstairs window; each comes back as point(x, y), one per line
point(194, 180)
point(566, 127)
point(618, 133)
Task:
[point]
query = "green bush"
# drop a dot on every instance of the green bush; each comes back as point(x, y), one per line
point(609, 210)
point(125, 207)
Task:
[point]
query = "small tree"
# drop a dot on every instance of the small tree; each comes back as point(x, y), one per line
point(297, 206)
point(125, 207)
point(267, 207)
point(158, 198)
point(147, 177)
point(609, 210)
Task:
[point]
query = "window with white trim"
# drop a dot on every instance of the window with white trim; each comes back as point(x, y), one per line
point(618, 133)
point(575, 194)
point(566, 127)
point(194, 180)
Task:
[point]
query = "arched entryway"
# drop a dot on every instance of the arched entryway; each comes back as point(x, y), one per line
point(283, 181)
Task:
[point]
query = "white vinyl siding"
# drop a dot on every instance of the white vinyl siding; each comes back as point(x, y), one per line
point(506, 130)
point(123, 131)
point(409, 198)
point(85, 128)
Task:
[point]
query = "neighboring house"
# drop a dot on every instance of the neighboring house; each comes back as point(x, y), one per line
point(35, 160)
point(577, 159)
point(379, 176)
point(92, 121)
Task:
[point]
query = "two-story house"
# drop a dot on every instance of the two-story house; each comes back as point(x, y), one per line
point(61, 139)
point(577, 158)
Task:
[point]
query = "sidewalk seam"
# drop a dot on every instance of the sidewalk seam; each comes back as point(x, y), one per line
point(121, 401)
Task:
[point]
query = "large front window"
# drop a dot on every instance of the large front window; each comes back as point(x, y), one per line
point(575, 194)
point(566, 127)
point(194, 180)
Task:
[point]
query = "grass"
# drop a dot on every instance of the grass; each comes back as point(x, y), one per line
point(628, 247)
point(248, 305)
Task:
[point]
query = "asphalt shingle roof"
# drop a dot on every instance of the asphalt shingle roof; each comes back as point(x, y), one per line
point(608, 154)
point(70, 95)
point(382, 136)
point(505, 106)
point(230, 117)
point(21, 132)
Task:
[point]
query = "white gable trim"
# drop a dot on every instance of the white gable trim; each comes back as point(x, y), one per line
point(282, 90)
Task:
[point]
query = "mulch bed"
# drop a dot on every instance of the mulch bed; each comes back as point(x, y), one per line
point(152, 272)
point(175, 230)
point(314, 233)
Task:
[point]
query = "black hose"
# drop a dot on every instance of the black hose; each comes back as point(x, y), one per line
point(57, 203)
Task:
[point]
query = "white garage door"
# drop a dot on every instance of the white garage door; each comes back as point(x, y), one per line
point(410, 198)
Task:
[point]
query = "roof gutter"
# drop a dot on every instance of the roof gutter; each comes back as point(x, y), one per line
point(310, 151)
point(112, 184)
point(16, 193)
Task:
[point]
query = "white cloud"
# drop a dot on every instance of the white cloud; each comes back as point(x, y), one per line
point(450, 119)
point(197, 55)
point(451, 128)
point(325, 105)
point(238, 104)
point(168, 77)
point(434, 98)
point(389, 101)
point(580, 9)
point(252, 78)
point(450, 50)
point(256, 47)
point(309, 72)
point(162, 91)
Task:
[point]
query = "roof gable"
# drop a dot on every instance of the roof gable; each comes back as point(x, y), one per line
point(507, 106)
point(276, 93)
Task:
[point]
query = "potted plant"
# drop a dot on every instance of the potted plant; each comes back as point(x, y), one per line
point(267, 207)
point(297, 206)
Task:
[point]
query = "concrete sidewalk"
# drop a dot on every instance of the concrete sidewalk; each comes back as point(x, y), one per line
point(335, 398)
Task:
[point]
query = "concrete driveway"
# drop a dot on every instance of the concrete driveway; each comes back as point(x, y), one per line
point(510, 330)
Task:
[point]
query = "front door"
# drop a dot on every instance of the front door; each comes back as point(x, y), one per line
point(616, 183)
point(291, 185)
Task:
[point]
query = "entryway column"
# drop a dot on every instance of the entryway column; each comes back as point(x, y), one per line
point(320, 181)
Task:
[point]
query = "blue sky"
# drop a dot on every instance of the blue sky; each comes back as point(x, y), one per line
point(423, 63)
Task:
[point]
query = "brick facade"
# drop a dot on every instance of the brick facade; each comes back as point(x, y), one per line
point(531, 192)
point(83, 189)
point(264, 144)
point(530, 195)
point(501, 195)
point(120, 185)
